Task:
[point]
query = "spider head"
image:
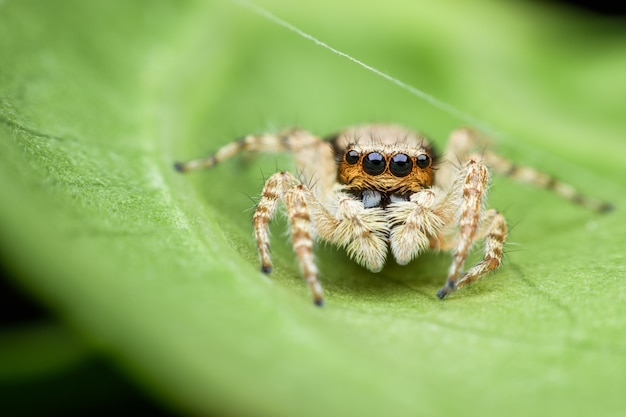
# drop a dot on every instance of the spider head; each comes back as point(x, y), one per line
point(384, 158)
point(389, 172)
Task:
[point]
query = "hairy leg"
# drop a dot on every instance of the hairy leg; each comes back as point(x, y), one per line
point(463, 145)
point(314, 157)
point(415, 222)
point(288, 140)
point(302, 238)
point(475, 179)
point(362, 232)
point(506, 167)
point(494, 230)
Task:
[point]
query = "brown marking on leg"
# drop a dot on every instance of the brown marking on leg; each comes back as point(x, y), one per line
point(302, 239)
point(464, 141)
point(273, 191)
point(476, 178)
point(528, 175)
point(494, 247)
point(292, 139)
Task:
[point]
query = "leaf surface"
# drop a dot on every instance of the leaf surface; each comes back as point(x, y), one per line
point(159, 270)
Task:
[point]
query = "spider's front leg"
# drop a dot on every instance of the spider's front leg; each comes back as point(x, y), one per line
point(361, 231)
point(298, 200)
point(472, 184)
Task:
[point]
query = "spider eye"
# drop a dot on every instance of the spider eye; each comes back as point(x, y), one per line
point(400, 165)
point(352, 157)
point(423, 161)
point(374, 163)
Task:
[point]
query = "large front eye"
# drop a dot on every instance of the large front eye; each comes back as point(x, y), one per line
point(352, 157)
point(423, 161)
point(400, 165)
point(374, 163)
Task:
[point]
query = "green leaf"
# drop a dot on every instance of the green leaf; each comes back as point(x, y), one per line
point(159, 270)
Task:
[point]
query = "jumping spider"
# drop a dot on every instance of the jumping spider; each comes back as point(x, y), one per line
point(374, 189)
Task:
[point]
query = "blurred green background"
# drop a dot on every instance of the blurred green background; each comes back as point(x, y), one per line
point(133, 289)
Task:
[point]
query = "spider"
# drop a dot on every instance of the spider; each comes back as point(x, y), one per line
point(379, 188)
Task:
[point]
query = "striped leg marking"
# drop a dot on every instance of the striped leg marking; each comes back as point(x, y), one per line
point(302, 238)
point(476, 179)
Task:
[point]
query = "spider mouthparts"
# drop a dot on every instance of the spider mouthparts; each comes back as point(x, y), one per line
point(319, 302)
point(266, 269)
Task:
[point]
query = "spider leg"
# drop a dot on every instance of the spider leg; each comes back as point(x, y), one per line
point(525, 174)
point(284, 186)
point(473, 182)
point(273, 192)
point(313, 156)
point(494, 230)
point(494, 243)
point(288, 140)
point(457, 150)
point(302, 230)
point(346, 223)
point(301, 205)
point(362, 232)
point(464, 141)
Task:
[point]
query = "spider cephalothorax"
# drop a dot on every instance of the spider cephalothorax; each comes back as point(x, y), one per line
point(375, 190)
point(376, 165)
